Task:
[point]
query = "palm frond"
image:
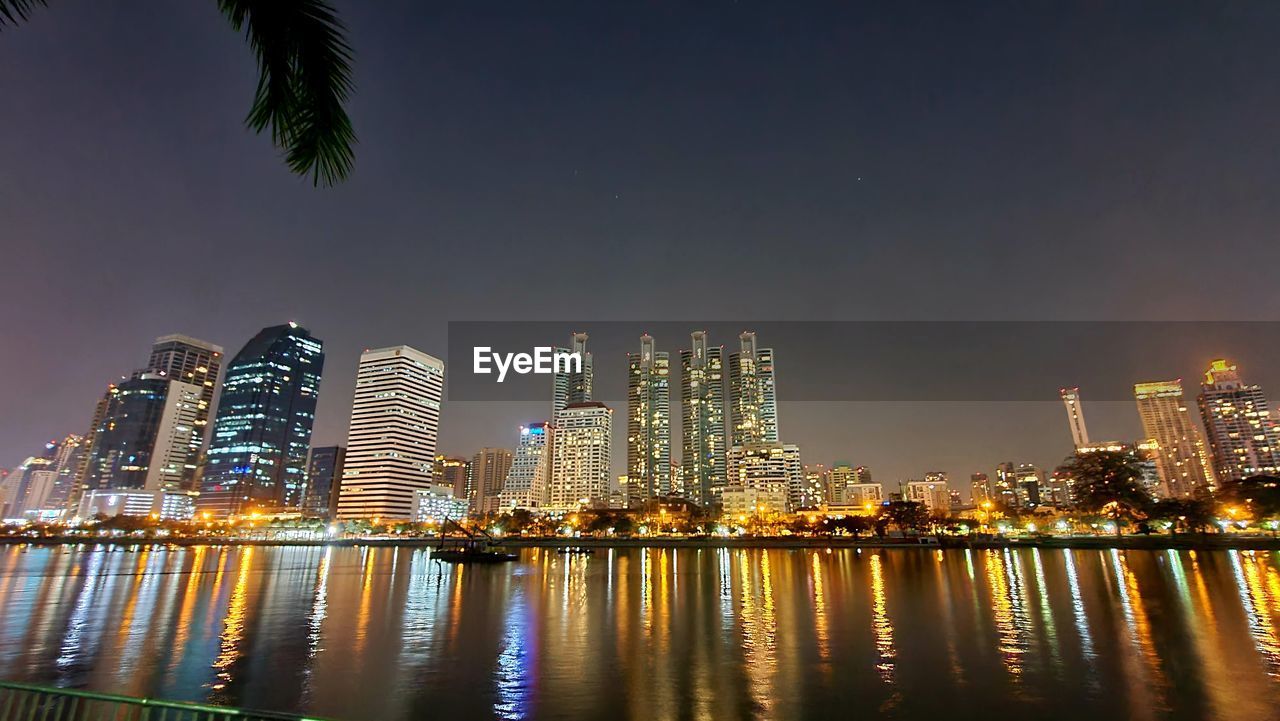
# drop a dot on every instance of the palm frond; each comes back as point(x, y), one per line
point(13, 12)
point(304, 81)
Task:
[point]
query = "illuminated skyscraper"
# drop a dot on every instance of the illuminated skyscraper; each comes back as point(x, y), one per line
point(391, 444)
point(144, 439)
point(257, 457)
point(324, 482)
point(767, 476)
point(814, 494)
point(581, 457)
point(648, 424)
point(454, 473)
point(1243, 435)
point(1182, 459)
point(753, 393)
point(489, 469)
point(979, 488)
point(702, 420)
point(1075, 416)
point(527, 482)
point(1005, 488)
point(573, 385)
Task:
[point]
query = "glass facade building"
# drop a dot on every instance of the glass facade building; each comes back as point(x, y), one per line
point(257, 456)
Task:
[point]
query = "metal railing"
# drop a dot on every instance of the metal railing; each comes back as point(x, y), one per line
point(31, 702)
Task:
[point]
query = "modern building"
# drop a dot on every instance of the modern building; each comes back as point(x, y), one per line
point(935, 495)
point(167, 505)
point(257, 456)
point(743, 502)
point(703, 448)
point(324, 482)
point(42, 484)
point(753, 393)
point(648, 424)
point(1183, 460)
point(840, 477)
point(580, 466)
point(454, 473)
point(527, 482)
point(1244, 437)
point(395, 423)
point(489, 470)
point(145, 437)
point(979, 488)
point(861, 495)
point(198, 363)
point(573, 384)
point(1005, 486)
point(817, 479)
point(1075, 416)
point(436, 504)
point(772, 470)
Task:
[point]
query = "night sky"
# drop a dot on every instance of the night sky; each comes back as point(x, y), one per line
point(646, 161)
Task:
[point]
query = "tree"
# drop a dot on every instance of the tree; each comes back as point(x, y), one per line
point(852, 525)
point(1259, 496)
point(907, 515)
point(304, 79)
point(1110, 483)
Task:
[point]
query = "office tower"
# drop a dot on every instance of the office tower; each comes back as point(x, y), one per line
point(864, 496)
point(838, 482)
point(702, 420)
point(257, 457)
point(753, 393)
point(1244, 437)
point(814, 493)
point(324, 482)
point(454, 473)
point(436, 504)
point(42, 484)
point(489, 469)
point(934, 494)
point(1075, 415)
point(979, 488)
point(1005, 490)
point(572, 385)
point(581, 457)
point(1029, 481)
point(395, 422)
point(1182, 459)
point(82, 471)
point(648, 423)
point(526, 485)
point(766, 476)
point(143, 439)
point(1148, 455)
point(199, 363)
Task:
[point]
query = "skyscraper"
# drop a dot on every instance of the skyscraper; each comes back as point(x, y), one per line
point(768, 477)
point(395, 422)
point(257, 456)
point(702, 420)
point(489, 469)
point(526, 485)
point(581, 457)
point(572, 385)
point(324, 482)
point(1243, 436)
point(1005, 489)
point(1075, 416)
point(648, 423)
point(144, 438)
point(753, 396)
point(199, 363)
point(979, 488)
point(454, 473)
point(1182, 459)
point(43, 483)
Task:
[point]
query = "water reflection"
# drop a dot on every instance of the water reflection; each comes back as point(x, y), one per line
point(389, 633)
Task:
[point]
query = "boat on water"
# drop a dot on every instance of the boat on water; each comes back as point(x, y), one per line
point(471, 555)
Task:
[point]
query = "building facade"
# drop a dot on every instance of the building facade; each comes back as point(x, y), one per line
point(1244, 437)
point(703, 456)
point(489, 470)
point(257, 455)
point(324, 482)
point(648, 424)
point(391, 442)
point(580, 467)
point(1075, 416)
point(527, 484)
point(1182, 458)
point(753, 393)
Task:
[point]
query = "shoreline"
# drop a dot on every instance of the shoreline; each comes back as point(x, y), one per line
point(1212, 542)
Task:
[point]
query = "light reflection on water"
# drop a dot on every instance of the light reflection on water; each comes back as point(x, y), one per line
point(658, 633)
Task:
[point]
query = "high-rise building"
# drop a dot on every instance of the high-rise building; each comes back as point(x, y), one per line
point(702, 420)
point(1005, 486)
point(324, 482)
point(814, 492)
point(1182, 459)
point(454, 473)
point(1244, 437)
point(42, 484)
point(753, 393)
point(1029, 481)
point(935, 495)
point(572, 384)
point(199, 363)
point(395, 422)
point(648, 423)
point(1075, 416)
point(839, 479)
point(144, 438)
point(257, 456)
point(979, 488)
point(527, 482)
point(581, 457)
point(489, 469)
point(771, 473)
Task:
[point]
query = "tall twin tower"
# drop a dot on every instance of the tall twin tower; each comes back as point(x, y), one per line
point(752, 416)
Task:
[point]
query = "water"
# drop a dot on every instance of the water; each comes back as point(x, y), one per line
point(388, 634)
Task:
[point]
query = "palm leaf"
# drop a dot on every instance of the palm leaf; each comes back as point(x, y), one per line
point(304, 81)
point(13, 12)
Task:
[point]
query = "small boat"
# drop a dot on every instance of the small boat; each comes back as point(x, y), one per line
point(471, 555)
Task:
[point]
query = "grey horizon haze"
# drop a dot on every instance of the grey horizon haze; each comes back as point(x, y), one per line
point(653, 162)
